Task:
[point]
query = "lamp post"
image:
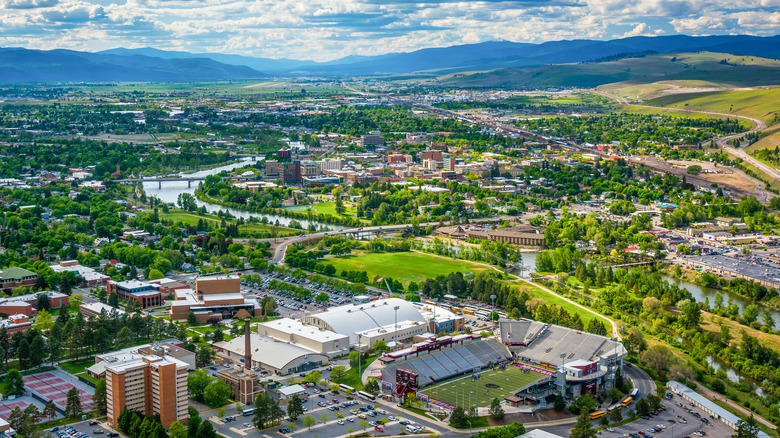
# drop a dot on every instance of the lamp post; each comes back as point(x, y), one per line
point(360, 335)
point(493, 305)
point(395, 334)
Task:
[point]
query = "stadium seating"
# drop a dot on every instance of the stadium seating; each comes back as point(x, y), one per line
point(449, 362)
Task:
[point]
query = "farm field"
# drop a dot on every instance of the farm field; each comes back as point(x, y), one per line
point(403, 266)
point(461, 391)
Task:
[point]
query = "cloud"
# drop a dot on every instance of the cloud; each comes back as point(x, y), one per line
point(329, 29)
point(29, 4)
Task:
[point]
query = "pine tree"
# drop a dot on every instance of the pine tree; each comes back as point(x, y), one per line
point(583, 428)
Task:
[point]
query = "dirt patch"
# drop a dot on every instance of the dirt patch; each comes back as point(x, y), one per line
point(737, 183)
point(491, 385)
point(539, 416)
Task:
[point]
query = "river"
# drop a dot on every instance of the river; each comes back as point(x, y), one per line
point(170, 191)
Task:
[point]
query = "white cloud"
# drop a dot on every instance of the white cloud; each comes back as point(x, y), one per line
point(328, 29)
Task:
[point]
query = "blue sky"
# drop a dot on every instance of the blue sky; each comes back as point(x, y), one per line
point(322, 30)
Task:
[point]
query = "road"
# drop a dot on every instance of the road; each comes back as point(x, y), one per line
point(722, 142)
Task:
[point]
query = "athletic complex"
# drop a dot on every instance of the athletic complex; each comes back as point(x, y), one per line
point(526, 366)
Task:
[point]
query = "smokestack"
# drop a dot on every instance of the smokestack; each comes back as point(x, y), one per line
point(247, 346)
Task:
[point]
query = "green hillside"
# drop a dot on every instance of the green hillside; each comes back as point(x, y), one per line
point(725, 69)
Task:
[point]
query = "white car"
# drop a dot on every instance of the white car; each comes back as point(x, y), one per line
point(340, 422)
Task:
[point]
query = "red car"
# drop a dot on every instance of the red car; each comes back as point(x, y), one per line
point(335, 400)
point(93, 422)
point(379, 428)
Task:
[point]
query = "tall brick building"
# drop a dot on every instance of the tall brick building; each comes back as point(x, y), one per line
point(148, 385)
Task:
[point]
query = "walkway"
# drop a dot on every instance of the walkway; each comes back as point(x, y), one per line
point(615, 330)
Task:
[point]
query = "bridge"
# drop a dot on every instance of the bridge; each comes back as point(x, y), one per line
point(188, 179)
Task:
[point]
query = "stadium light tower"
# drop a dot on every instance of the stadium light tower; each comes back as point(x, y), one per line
point(395, 334)
point(493, 304)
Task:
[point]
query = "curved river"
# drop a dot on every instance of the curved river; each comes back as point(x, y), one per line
point(170, 191)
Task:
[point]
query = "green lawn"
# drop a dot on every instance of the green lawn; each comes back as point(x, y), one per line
point(329, 208)
point(534, 292)
point(454, 391)
point(403, 266)
point(77, 367)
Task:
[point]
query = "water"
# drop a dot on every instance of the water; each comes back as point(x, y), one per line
point(170, 191)
point(732, 374)
point(701, 293)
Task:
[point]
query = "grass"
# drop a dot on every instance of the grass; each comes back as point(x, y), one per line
point(760, 103)
point(417, 411)
point(454, 391)
point(535, 292)
point(351, 377)
point(329, 209)
point(403, 266)
point(77, 366)
point(475, 423)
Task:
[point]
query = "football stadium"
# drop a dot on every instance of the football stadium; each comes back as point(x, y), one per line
point(526, 366)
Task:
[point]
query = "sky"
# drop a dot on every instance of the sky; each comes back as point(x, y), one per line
point(322, 30)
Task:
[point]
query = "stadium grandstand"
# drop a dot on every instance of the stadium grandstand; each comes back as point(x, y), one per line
point(585, 362)
point(443, 358)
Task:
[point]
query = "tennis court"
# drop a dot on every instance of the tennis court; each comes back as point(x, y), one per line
point(496, 383)
point(7, 406)
point(54, 386)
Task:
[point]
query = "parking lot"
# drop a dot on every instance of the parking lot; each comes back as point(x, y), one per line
point(675, 422)
point(83, 429)
point(336, 418)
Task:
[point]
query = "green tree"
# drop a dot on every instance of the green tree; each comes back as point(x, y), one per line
point(459, 418)
point(313, 377)
point(641, 407)
point(267, 411)
point(217, 393)
point(616, 416)
point(381, 346)
point(353, 359)
point(295, 407)
point(206, 430)
point(496, 412)
point(747, 428)
point(193, 422)
point(308, 422)
point(691, 315)
point(154, 274)
point(191, 320)
point(73, 404)
point(203, 357)
point(583, 428)
point(559, 404)
point(372, 386)
point(15, 382)
point(197, 382)
point(99, 398)
point(49, 410)
point(177, 430)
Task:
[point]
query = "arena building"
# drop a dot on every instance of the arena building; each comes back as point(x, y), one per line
point(381, 318)
point(313, 338)
point(269, 354)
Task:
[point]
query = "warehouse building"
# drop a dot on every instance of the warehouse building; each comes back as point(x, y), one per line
point(294, 332)
point(269, 354)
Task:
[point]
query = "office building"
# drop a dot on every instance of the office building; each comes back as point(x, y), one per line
point(214, 297)
point(372, 140)
point(142, 293)
point(290, 173)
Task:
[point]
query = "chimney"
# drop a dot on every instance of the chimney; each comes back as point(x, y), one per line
point(247, 346)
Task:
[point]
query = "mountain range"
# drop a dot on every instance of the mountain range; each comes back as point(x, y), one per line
point(149, 64)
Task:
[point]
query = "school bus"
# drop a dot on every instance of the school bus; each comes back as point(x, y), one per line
point(627, 401)
point(468, 311)
point(597, 414)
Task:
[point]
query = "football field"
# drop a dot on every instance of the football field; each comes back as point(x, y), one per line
point(462, 390)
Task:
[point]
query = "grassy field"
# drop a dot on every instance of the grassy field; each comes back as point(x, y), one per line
point(329, 208)
point(535, 292)
point(771, 141)
point(455, 391)
point(762, 104)
point(403, 266)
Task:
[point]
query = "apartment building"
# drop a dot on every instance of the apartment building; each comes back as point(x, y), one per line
point(148, 384)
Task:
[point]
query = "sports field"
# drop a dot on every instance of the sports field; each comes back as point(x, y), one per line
point(461, 391)
point(402, 266)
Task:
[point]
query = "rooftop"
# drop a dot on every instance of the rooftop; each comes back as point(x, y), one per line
point(292, 326)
